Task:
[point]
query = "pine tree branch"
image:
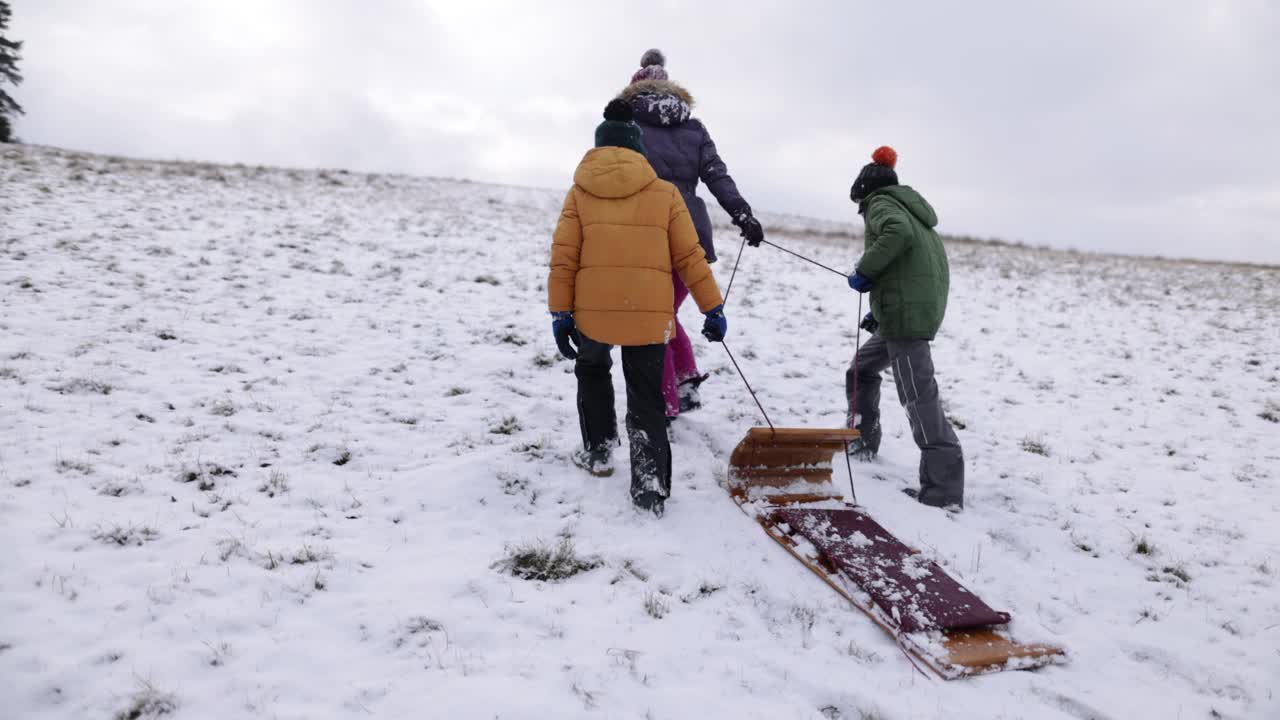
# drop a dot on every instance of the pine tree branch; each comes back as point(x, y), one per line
point(8, 105)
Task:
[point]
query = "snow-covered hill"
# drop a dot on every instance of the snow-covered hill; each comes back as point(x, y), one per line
point(267, 437)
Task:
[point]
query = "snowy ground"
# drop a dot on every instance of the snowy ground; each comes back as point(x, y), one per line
point(267, 433)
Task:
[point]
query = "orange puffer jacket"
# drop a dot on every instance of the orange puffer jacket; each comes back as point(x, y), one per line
point(621, 232)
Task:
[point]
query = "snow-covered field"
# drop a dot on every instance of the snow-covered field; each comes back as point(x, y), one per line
point(266, 437)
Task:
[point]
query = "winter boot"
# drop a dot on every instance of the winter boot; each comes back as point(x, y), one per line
point(689, 400)
point(595, 462)
point(688, 389)
point(650, 502)
point(914, 494)
point(866, 447)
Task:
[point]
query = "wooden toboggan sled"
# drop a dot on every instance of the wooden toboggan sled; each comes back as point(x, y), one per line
point(782, 478)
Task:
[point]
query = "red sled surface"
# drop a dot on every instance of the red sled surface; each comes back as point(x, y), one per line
point(782, 478)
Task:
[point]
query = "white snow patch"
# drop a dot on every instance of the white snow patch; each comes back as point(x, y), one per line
point(318, 406)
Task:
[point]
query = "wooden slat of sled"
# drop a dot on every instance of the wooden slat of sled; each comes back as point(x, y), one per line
point(822, 492)
point(782, 475)
point(984, 650)
point(785, 456)
point(766, 454)
point(788, 435)
point(798, 498)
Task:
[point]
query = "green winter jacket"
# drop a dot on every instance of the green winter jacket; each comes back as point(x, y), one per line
point(906, 262)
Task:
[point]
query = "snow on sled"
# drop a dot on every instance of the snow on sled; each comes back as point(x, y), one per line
point(782, 478)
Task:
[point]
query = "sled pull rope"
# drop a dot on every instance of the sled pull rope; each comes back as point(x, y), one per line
point(853, 410)
point(736, 260)
point(806, 259)
point(753, 392)
point(727, 290)
point(849, 466)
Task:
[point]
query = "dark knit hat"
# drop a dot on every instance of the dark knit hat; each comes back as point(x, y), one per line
point(619, 128)
point(879, 173)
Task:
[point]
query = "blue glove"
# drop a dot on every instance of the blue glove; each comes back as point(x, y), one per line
point(716, 327)
point(860, 282)
point(566, 333)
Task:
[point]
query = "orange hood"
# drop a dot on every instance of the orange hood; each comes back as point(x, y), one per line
point(613, 172)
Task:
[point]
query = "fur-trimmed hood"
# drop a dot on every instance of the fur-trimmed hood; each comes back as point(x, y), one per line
point(659, 102)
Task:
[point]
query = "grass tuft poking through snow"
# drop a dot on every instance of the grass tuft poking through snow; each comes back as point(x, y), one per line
point(656, 605)
point(536, 561)
point(1035, 446)
point(1271, 411)
point(277, 483)
point(508, 425)
point(122, 536)
point(148, 703)
point(82, 386)
point(1178, 572)
point(1144, 547)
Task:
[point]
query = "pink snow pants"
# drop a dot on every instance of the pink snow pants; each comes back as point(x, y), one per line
point(679, 364)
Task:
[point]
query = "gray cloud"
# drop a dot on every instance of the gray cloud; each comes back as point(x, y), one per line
point(1136, 126)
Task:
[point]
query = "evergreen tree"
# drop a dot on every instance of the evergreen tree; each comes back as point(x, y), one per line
point(9, 57)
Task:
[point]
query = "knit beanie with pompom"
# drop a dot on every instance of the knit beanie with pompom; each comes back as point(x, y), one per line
point(652, 66)
point(879, 173)
point(619, 128)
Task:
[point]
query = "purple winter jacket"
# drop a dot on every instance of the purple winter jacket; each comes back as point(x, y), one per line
point(680, 150)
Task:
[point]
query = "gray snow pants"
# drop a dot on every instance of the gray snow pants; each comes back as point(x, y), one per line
point(941, 458)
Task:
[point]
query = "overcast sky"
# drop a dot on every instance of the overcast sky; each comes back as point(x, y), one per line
point(1138, 126)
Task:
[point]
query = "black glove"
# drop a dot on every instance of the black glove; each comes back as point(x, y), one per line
point(870, 324)
point(566, 334)
point(751, 229)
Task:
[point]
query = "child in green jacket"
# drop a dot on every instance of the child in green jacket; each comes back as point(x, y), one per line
point(904, 267)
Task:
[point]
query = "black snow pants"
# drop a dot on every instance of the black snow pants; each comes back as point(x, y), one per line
point(646, 411)
point(941, 458)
